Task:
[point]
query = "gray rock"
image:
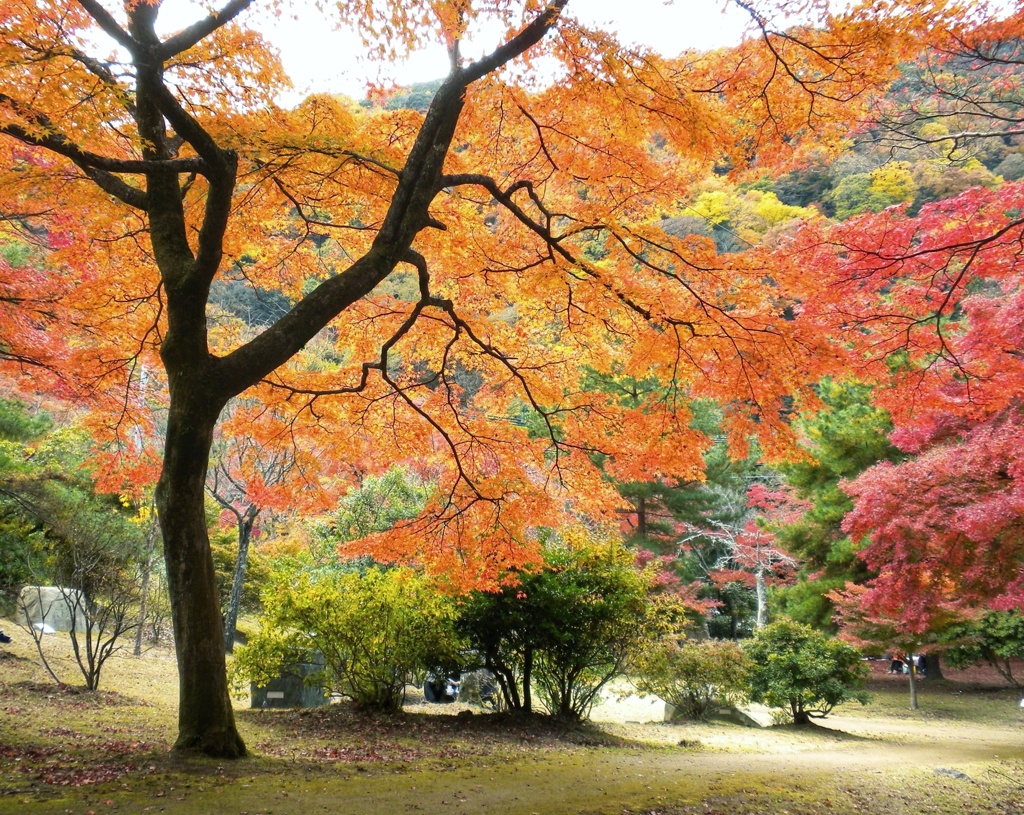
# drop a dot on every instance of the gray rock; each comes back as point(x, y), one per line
point(49, 605)
point(959, 776)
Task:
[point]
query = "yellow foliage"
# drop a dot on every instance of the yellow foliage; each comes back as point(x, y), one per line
point(893, 182)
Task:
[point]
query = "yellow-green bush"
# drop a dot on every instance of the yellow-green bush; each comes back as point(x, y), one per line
point(375, 630)
point(692, 677)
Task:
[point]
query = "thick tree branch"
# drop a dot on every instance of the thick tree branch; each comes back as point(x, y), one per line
point(408, 213)
point(109, 25)
point(381, 363)
point(188, 37)
point(532, 34)
point(39, 131)
point(105, 180)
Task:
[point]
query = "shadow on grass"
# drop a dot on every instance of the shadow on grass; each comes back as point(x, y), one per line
point(814, 730)
point(341, 732)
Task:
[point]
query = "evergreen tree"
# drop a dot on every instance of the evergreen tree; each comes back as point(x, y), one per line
point(845, 438)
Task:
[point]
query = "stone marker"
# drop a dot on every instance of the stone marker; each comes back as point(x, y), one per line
point(47, 605)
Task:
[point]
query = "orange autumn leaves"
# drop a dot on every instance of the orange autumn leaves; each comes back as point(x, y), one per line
point(542, 265)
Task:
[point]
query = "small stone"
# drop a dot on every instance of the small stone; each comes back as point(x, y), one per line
point(959, 776)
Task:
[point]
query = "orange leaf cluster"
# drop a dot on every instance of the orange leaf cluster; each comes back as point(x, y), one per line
point(540, 265)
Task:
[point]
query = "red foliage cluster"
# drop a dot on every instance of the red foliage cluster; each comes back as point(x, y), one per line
point(931, 308)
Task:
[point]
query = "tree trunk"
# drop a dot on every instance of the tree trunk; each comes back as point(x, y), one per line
point(143, 603)
point(761, 583)
point(507, 683)
point(1003, 667)
point(641, 516)
point(912, 673)
point(565, 707)
point(147, 570)
point(527, 680)
point(933, 666)
point(206, 721)
point(245, 525)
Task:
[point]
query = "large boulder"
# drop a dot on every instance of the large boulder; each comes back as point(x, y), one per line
point(293, 687)
point(52, 606)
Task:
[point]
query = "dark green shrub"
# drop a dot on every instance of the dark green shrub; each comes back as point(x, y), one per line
point(996, 638)
point(565, 630)
point(795, 667)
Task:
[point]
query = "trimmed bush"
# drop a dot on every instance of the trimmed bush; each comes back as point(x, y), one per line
point(375, 629)
point(693, 677)
point(795, 667)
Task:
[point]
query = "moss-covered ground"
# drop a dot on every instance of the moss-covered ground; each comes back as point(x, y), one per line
point(63, 750)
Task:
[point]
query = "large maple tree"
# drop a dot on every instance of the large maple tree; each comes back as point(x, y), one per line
point(946, 526)
point(461, 267)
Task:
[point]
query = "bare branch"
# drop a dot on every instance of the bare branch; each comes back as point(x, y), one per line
point(532, 34)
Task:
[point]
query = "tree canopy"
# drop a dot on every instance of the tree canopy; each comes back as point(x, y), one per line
point(442, 274)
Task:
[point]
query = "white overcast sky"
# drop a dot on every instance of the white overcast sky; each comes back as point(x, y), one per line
point(321, 59)
point(666, 27)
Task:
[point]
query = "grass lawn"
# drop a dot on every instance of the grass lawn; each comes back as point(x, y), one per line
point(63, 750)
